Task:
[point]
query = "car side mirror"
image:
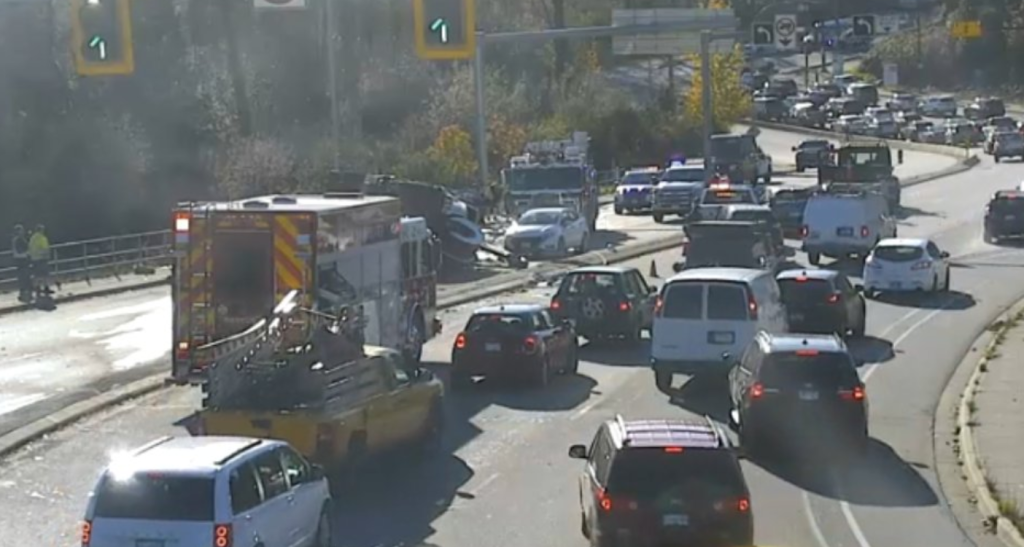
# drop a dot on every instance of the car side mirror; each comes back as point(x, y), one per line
point(944, 254)
point(677, 267)
point(316, 472)
point(652, 289)
point(424, 375)
point(858, 287)
point(793, 149)
point(578, 452)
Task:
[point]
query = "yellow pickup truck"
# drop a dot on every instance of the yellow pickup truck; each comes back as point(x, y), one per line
point(339, 416)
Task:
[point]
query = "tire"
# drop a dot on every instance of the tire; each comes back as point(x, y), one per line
point(543, 375)
point(945, 284)
point(814, 258)
point(572, 365)
point(584, 529)
point(584, 244)
point(768, 177)
point(996, 157)
point(619, 210)
point(561, 250)
point(659, 218)
point(662, 380)
point(861, 327)
point(634, 334)
point(800, 168)
point(935, 285)
point(987, 237)
point(324, 533)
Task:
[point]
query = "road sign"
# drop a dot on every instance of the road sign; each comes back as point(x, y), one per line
point(967, 29)
point(271, 5)
point(672, 42)
point(863, 25)
point(785, 31)
point(764, 33)
point(890, 75)
point(887, 24)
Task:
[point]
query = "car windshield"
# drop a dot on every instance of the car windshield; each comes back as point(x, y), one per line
point(824, 370)
point(693, 475)
point(813, 145)
point(728, 148)
point(540, 218)
point(898, 253)
point(686, 174)
point(544, 178)
point(589, 283)
point(498, 323)
point(147, 496)
point(634, 179)
point(723, 197)
point(805, 290)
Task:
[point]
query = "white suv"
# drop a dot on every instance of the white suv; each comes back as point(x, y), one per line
point(216, 491)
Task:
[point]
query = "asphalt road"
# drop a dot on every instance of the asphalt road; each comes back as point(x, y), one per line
point(507, 481)
point(51, 359)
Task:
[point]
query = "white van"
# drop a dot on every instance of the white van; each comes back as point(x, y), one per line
point(705, 317)
point(838, 225)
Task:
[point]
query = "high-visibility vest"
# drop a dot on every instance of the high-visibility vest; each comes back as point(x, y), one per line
point(39, 246)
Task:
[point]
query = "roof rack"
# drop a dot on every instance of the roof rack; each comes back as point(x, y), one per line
point(719, 434)
point(152, 444)
point(245, 447)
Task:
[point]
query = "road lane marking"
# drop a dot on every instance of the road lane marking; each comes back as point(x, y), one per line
point(813, 522)
point(851, 520)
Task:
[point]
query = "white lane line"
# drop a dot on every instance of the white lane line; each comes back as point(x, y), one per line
point(851, 520)
point(486, 482)
point(813, 522)
point(585, 408)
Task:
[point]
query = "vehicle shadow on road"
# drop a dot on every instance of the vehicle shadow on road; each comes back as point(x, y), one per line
point(706, 394)
point(870, 349)
point(882, 478)
point(602, 239)
point(617, 353)
point(906, 212)
point(563, 392)
point(952, 300)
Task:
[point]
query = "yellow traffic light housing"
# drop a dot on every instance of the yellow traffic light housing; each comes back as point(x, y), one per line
point(101, 37)
point(445, 29)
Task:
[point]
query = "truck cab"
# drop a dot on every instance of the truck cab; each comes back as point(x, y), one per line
point(863, 167)
point(739, 158)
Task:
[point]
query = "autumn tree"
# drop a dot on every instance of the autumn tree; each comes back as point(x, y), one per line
point(452, 152)
point(730, 100)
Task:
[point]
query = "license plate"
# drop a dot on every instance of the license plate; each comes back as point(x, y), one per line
point(808, 395)
point(1010, 217)
point(796, 316)
point(675, 520)
point(846, 232)
point(492, 346)
point(721, 337)
point(149, 543)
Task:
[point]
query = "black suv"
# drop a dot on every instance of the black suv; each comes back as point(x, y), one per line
point(606, 302)
point(663, 482)
point(1004, 216)
point(811, 153)
point(823, 301)
point(788, 388)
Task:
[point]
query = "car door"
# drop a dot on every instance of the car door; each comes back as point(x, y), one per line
point(553, 337)
point(850, 297)
point(409, 410)
point(578, 227)
point(646, 299)
point(249, 518)
point(595, 478)
point(277, 522)
point(308, 494)
point(940, 259)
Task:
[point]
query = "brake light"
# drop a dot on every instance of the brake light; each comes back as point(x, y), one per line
point(530, 344)
point(864, 231)
point(743, 505)
point(181, 223)
point(807, 352)
point(460, 341)
point(86, 533)
point(804, 230)
point(752, 308)
point(923, 265)
point(674, 449)
point(182, 351)
point(833, 298)
point(222, 535)
point(757, 391)
point(856, 394)
point(659, 304)
point(556, 305)
point(624, 306)
point(605, 502)
point(801, 279)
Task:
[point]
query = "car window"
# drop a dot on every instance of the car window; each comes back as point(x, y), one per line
point(295, 466)
point(825, 370)
point(540, 218)
point(152, 496)
point(686, 174)
point(546, 319)
point(692, 476)
point(632, 285)
point(843, 284)
point(245, 489)
point(588, 283)
point(271, 474)
point(752, 216)
point(898, 253)
point(643, 178)
point(499, 322)
point(541, 321)
point(640, 282)
point(933, 249)
point(683, 301)
point(800, 291)
point(727, 302)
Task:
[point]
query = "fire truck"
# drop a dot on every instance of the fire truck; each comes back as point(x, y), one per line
point(551, 174)
point(348, 255)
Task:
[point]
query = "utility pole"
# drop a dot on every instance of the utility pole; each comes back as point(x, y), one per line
point(332, 81)
point(561, 47)
point(706, 101)
point(238, 85)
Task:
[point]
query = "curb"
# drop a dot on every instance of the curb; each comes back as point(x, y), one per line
point(15, 308)
point(969, 457)
point(32, 431)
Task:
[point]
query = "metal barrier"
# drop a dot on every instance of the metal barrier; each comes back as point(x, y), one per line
point(85, 260)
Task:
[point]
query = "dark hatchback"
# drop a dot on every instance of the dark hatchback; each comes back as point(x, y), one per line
point(606, 302)
point(822, 301)
point(1004, 216)
point(514, 343)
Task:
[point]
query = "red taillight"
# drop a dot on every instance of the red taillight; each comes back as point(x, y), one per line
point(752, 308)
point(807, 352)
point(804, 230)
point(864, 231)
point(856, 394)
point(605, 502)
point(222, 535)
point(460, 341)
point(530, 344)
point(756, 391)
point(833, 298)
point(556, 305)
point(182, 352)
point(86, 533)
point(923, 265)
point(743, 505)
point(624, 306)
point(674, 449)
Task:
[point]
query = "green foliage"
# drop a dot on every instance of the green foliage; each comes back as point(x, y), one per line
point(730, 101)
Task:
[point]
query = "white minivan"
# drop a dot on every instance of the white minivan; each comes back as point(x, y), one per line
point(838, 225)
point(705, 317)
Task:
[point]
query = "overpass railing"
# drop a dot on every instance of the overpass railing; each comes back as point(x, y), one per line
point(93, 258)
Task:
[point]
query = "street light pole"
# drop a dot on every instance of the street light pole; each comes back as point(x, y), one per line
point(332, 82)
point(707, 104)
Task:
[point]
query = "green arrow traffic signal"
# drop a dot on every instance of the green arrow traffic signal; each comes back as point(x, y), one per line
point(440, 26)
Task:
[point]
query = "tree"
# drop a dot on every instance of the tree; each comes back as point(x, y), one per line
point(730, 101)
point(453, 153)
point(505, 139)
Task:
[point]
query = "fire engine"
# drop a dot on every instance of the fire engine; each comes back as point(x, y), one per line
point(347, 254)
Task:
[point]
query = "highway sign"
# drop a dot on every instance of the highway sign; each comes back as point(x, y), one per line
point(890, 75)
point(785, 31)
point(278, 4)
point(967, 29)
point(887, 24)
point(764, 33)
point(671, 42)
point(863, 25)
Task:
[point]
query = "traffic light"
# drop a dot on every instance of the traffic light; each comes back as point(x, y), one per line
point(445, 29)
point(101, 37)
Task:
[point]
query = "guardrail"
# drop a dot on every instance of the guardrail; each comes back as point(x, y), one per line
point(78, 260)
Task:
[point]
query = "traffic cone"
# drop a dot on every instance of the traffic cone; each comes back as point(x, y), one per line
point(653, 273)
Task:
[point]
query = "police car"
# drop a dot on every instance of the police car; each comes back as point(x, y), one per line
point(635, 191)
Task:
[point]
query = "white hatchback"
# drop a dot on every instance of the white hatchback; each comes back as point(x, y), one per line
point(906, 264)
point(548, 230)
point(209, 491)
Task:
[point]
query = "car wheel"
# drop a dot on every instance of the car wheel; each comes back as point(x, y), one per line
point(987, 237)
point(323, 530)
point(659, 218)
point(433, 435)
point(861, 327)
point(814, 258)
point(935, 284)
point(800, 168)
point(584, 529)
point(618, 210)
point(561, 249)
point(945, 284)
point(996, 157)
point(572, 365)
point(584, 244)
point(543, 374)
point(662, 380)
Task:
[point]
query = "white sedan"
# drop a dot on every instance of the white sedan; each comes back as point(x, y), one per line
point(906, 264)
point(548, 231)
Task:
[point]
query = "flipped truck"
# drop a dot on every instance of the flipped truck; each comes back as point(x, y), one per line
point(862, 168)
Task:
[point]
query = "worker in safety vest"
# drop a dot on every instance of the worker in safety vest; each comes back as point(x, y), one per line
point(19, 248)
point(39, 252)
